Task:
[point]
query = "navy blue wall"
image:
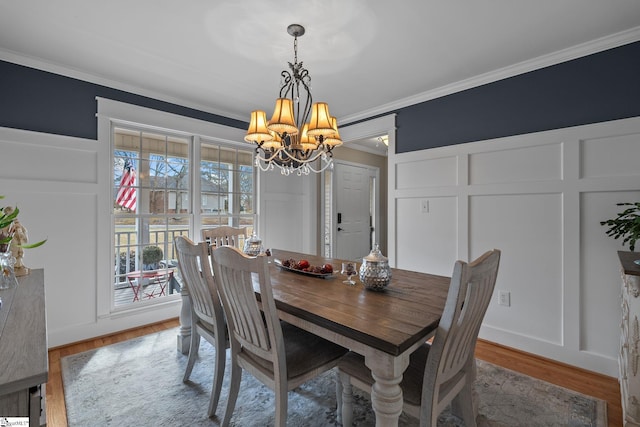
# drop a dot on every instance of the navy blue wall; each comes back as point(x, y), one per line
point(596, 88)
point(40, 101)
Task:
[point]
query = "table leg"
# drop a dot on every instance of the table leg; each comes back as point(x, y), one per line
point(135, 288)
point(163, 285)
point(184, 334)
point(386, 394)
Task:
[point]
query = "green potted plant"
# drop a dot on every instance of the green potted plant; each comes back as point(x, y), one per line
point(151, 256)
point(626, 225)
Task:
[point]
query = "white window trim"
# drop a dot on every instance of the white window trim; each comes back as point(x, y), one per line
point(109, 112)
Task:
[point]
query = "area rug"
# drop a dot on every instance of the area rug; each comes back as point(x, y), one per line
point(139, 383)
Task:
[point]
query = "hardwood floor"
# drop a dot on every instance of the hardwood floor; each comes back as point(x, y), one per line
point(589, 383)
point(580, 380)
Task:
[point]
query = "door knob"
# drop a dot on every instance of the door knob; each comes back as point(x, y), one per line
point(339, 229)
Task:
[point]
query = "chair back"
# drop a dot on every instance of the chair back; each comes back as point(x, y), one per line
point(249, 330)
point(451, 356)
point(224, 236)
point(193, 262)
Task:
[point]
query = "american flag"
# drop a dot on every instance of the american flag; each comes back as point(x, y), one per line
point(127, 193)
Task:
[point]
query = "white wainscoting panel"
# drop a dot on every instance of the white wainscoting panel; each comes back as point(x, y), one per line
point(539, 198)
point(288, 211)
point(616, 155)
point(429, 238)
point(69, 255)
point(528, 230)
point(427, 173)
point(35, 156)
point(528, 164)
point(284, 212)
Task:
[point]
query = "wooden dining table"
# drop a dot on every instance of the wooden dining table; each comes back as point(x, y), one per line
point(385, 327)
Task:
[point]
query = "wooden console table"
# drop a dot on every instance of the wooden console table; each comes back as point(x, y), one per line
point(24, 361)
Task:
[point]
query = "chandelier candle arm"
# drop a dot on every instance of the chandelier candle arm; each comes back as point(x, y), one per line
point(290, 140)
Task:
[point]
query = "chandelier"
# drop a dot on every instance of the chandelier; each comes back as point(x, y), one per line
point(290, 140)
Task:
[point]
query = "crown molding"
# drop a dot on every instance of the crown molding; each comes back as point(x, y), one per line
point(39, 64)
point(564, 55)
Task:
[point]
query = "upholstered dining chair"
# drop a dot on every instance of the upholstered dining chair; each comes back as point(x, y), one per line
point(224, 236)
point(207, 317)
point(442, 372)
point(278, 354)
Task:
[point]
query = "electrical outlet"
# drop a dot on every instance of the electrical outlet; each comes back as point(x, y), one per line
point(504, 298)
point(424, 206)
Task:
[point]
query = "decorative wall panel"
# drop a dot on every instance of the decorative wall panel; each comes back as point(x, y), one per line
point(535, 163)
point(69, 159)
point(429, 238)
point(427, 173)
point(528, 230)
point(616, 155)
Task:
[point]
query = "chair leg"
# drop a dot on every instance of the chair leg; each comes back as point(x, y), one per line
point(282, 401)
point(462, 405)
point(218, 373)
point(338, 397)
point(475, 398)
point(234, 388)
point(465, 404)
point(347, 399)
point(428, 411)
point(194, 346)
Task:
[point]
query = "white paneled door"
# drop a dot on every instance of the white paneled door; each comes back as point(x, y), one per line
point(354, 210)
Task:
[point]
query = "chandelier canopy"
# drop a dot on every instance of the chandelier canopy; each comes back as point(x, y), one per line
point(291, 140)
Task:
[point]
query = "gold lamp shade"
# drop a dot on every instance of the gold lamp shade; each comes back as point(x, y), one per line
point(257, 131)
point(334, 139)
point(282, 120)
point(275, 143)
point(307, 142)
point(320, 123)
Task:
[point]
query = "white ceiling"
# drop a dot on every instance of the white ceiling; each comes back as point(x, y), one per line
point(365, 56)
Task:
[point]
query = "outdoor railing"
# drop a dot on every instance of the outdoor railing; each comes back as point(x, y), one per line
point(126, 257)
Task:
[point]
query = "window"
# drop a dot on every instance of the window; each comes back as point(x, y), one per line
point(156, 199)
point(150, 208)
point(227, 183)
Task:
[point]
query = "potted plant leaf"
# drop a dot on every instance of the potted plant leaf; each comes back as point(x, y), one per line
point(13, 240)
point(626, 225)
